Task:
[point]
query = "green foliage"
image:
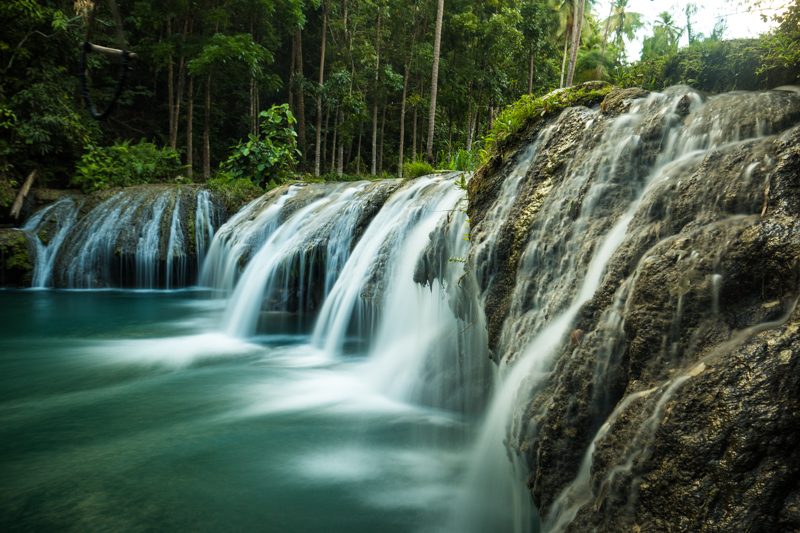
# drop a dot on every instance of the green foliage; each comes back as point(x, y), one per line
point(709, 65)
point(333, 177)
point(124, 164)
point(519, 116)
point(267, 158)
point(781, 49)
point(461, 159)
point(664, 39)
point(233, 191)
point(415, 169)
point(225, 51)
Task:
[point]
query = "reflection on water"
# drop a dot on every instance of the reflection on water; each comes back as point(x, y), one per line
point(122, 411)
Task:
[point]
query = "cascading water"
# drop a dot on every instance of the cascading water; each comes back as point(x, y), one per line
point(233, 244)
point(591, 218)
point(422, 350)
point(205, 223)
point(62, 215)
point(580, 222)
point(147, 249)
point(352, 303)
point(176, 249)
point(135, 238)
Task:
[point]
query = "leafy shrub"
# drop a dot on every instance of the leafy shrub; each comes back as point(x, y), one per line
point(266, 159)
point(415, 169)
point(124, 164)
point(461, 159)
point(234, 192)
point(780, 59)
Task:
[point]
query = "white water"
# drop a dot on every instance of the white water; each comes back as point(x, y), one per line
point(176, 249)
point(345, 309)
point(135, 238)
point(235, 240)
point(64, 213)
point(87, 259)
point(204, 225)
point(272, 266)
point(545, 305)
point(419, 339)
point(147, 250)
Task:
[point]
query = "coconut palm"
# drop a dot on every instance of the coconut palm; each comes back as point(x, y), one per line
point(622, 24)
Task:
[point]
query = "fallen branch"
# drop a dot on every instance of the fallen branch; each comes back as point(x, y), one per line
point(16, 208)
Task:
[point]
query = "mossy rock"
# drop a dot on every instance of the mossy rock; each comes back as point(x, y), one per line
point(16, 259)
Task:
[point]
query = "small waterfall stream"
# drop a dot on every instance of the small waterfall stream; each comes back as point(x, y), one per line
point(63, 214)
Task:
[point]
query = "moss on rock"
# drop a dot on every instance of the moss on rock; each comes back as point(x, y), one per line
point(16, 259)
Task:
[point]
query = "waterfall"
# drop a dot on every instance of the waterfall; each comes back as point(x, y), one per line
point(147, 249)
point(353, 303)
point(410, 295)
point(176, 249)
point(422, 351)
point(568, 255)
point(63, 215)
point(86, 260)
point(204, 225)
point(234, 242)
point(138, 237)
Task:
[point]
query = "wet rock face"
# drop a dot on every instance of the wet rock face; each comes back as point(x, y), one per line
point(16, 259)
point(672, 403)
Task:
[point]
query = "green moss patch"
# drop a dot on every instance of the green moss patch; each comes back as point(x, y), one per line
point(512, 124)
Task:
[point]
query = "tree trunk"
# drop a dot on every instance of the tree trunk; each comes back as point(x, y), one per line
point(530, 73)
point(340, 165)
point(414, 136)
point(576, 40)
point(403, 121)
point(335, 140)
point(374, 166)
point(325, 136)
point(437, 46)
point(606, 30)
point(16, 207)
point(317, 147)
point(380, 146)
point(469, 125)
point(189, 128)
point(301, 103)
point(358, 151)
point(173, 134)
point(207, 131)
point(474, 126)
point(292, 68)
point(564, 58)
point(375, 94)
point(170, 82)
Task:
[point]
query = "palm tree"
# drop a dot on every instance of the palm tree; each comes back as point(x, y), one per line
point(664, 39)
point(571, 27)
point(577, 26)
point(621, 23)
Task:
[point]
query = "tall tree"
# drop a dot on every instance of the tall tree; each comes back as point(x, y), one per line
point(577, 25)
point(323, 41)
point(437, 47)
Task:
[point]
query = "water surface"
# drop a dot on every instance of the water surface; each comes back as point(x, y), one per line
point(123, 410)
